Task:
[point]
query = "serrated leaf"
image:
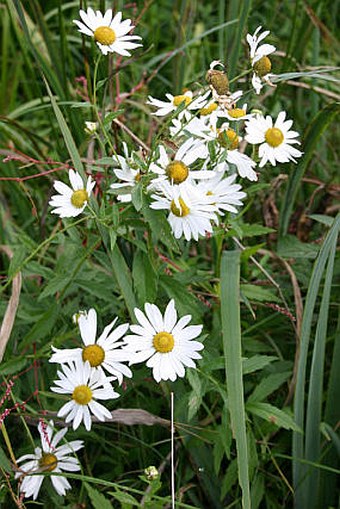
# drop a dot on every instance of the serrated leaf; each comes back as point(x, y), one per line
point(19, 255)
point(267, 386)
point(98, 500)
point(272, 414)
point(251, 230)
point(111, 116)
point(56, 284)
point(124, 498)
point(255, 292)
point(292, 247)
point(43, 326)
point(13, 366)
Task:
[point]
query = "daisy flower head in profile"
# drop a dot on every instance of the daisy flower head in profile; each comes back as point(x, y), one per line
point(226, 194)
point(104, 353)
point(85, 386)
point(164, 341)
point(260, 61)
point(186, 99)
point(50, 457)
point(275, 140)
point(227, 142)
point(71, 201)
point(109, 32)
point(190, 210)
point(128, 173)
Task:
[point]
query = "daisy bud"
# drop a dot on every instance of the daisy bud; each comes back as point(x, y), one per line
point(151, 473)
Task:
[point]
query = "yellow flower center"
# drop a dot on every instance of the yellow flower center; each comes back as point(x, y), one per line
point(228, 139)
point(262, 66)
point(48, 462)
point(236, 113)
point(82, 394)
point(163, 342)
point(138, 176)
point(105, 35)
point(274, 137)
point(79, 197)
point(177, 172)
point(181, 211)
point(208, 109)
point(95, 354)
point(179, 99)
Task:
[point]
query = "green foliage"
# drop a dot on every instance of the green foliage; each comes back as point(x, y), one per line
point(269, 372)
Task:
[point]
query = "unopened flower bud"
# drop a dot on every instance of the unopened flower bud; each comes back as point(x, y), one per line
point(151, 473)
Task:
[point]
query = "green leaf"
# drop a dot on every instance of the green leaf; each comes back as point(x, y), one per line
point(195, 397)
point(13, 366)
point(137, 196)
point(274, 415)
point(69, 141)
point(43, 326)
point(124, 498)
point(98, 500)
point(322, 218)
point(257, 362)
point(4, 461)
point(231, 328)
point(267, 386)
point(316, 129)
point(144, 278)
point(291, 247)
point(255, 292)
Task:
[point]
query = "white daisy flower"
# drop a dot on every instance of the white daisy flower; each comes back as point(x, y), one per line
point(225, 193)
point(71, 201)
point(238, 114)
point(166, 343)
point(256, 51)
point(48, 458)
point(275, 140)
point(103, 353)
point(174, 101)
point(177, 170)
point(110, 33)
point(90, 127)
point(227, 147)
point(190, 211)
point(86, 386)
point(128, 173)
point(259, 58)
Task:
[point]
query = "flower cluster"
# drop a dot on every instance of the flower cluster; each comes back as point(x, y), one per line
point(194, 177)
point(87, 373)
point(193, 174)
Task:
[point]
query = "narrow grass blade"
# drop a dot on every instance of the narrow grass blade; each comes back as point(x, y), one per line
point(231, 328)
point(315, 131)
point(299, 468)
point(243, 18)
point(69, 141)
point(315, 393)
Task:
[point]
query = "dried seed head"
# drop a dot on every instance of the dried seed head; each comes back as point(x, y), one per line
point(219, 81)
